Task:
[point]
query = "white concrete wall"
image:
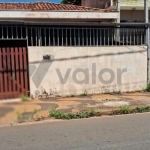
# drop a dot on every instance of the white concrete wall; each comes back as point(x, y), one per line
point(133, 59)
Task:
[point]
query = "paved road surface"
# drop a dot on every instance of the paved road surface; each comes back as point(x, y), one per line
point(130, 132)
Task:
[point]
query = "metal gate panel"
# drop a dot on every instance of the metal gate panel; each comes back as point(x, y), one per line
point(14, 79)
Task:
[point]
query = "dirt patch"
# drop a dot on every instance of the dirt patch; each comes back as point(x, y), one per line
point(116, 104)
point(47, 99)
point(12, 116)
point(47, 106)
point(27, 116)
point(137, 96)
point(68, 110)
point(66, 104)
point(101, 102)
point(5, 110)
point(10, 104)
point(41, 115)
point(78, 98)
point(104, 97)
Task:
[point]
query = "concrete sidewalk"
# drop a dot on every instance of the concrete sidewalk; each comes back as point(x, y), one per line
point(10, 112)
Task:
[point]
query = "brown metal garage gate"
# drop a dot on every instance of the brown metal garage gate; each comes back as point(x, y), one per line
point(14, 78)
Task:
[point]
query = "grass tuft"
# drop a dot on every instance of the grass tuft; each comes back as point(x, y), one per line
point(83, 114)
point(130, 110)
point(25, 98)
point(147, 89)
point(84, 94)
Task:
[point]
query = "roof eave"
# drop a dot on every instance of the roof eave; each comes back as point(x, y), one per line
point(57, 15)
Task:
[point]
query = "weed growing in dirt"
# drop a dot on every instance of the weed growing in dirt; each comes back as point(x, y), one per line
point(141, 109)
point(57, 96)
point(36, 116)
point(29, 118)
point(86, 113)
point(147, 89)
point(125, 109)
point(72, 95)
point(24, 98)
point(36, 111)
point(106, 92)
point(129, 110)
point(19, 117)
point(83, 114)
point(57, 114)
point(84, 94)
point(117, 92)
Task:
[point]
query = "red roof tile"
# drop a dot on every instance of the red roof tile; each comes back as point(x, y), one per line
point(45, 6)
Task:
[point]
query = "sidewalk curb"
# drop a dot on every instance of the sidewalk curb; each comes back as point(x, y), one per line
point(30, 123)
point(60, 120)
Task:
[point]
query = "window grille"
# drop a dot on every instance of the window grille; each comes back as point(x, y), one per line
point(74, 36)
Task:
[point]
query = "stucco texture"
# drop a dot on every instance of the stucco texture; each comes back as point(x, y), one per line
point(108, 69)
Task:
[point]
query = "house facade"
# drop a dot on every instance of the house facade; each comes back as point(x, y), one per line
point(56, 49)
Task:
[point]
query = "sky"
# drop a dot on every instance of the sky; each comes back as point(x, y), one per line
point(55, 1)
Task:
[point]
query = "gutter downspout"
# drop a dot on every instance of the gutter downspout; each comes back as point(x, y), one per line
point(118, 21)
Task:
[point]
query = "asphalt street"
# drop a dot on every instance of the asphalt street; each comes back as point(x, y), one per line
point(127, 132)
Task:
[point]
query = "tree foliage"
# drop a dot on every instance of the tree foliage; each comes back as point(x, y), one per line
point(73, 2)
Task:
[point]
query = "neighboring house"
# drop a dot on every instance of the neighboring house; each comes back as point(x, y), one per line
point(96, 3)
point(131, 10)
point(40, 25)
